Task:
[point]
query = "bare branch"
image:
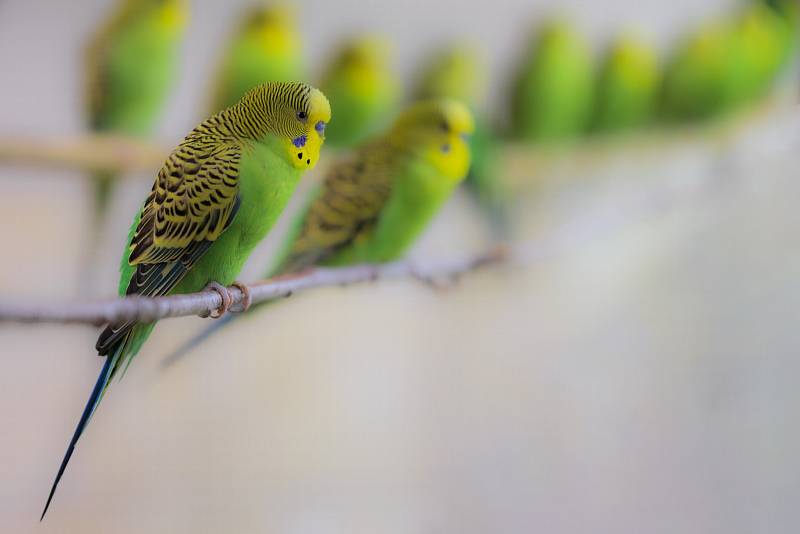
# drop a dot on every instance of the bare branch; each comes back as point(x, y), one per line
point(146, 309)
point(88, 153)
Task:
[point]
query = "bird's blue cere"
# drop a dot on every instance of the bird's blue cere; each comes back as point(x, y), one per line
point(299, 142)
point(320, 127)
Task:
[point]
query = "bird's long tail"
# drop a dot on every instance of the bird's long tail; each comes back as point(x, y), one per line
point(94, 400)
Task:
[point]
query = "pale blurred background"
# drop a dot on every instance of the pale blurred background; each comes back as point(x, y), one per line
point(640, 378)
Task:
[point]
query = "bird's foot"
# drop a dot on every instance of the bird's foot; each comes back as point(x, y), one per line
point(247, 300)
point(222, 291)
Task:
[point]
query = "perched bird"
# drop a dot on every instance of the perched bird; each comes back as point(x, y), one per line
point(457, 72)
point(131, 66)
point(373, 204)
point(627, 86)
point(265, 47)
point(705, 75)
point(552, 92)
point(766, 41)
point(362, 88)
point(216, 196)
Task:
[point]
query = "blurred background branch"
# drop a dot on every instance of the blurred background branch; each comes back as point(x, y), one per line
point(98, 152)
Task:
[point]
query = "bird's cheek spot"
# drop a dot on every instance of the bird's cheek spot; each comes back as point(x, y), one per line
point(320, 127)
point(299, 142)
point(446, 148)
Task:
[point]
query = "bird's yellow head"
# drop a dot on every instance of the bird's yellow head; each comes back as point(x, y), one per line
point(441, 127)
point(454, 72)
point(170, 15)
point(293, 112)
point(273, 25)
point(369, 51)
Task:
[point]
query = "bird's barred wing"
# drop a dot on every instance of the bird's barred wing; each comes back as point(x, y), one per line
point(193, 200)
point(345, 211)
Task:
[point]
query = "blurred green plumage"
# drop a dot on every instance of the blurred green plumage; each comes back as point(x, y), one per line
point(265, 47)
point(362, 88)
point(627, 86)
point(216, 196)
point(705, 76)
point(132, 63)
point(552, 91)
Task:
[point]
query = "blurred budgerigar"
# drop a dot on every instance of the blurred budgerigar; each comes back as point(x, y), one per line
point(627, 86)
point(132, 64)
point(374, 204)
point(363, 90)
point(266, 46)
point(216, 196)
point(766, 42)
point(458, 72)
point(705, 75)
point(553, 88)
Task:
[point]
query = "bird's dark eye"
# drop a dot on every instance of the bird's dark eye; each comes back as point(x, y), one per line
point(302, 115)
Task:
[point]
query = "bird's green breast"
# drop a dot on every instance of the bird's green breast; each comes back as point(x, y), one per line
point(266, 182)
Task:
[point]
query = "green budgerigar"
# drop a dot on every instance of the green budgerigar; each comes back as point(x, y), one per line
point(627, 86)
point(766, 41)
point(552, 93)
point(265, 47)
point(132, 63)
point(362, 88)
point(216, 196)
point(705, 75)
point(457, 72)
point(374, 203)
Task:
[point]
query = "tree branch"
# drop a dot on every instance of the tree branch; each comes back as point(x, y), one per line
point(87, 153)
point(146, 309)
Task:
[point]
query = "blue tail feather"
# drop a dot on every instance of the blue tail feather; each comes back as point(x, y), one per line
point(94, 400)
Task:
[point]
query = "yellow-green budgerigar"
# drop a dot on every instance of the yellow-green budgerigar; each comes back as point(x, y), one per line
point(216, 196)
point(552, 92)
point(627, 86)
point(362, 88)
point(266, 46)
point(766, 41)
point(132, 63)
point(706, 74)
point(457, 72)
point(374, 203)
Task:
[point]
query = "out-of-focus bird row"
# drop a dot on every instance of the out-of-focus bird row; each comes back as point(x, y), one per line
point(559, 92)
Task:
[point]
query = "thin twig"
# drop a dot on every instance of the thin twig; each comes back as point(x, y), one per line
point(146, 309)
